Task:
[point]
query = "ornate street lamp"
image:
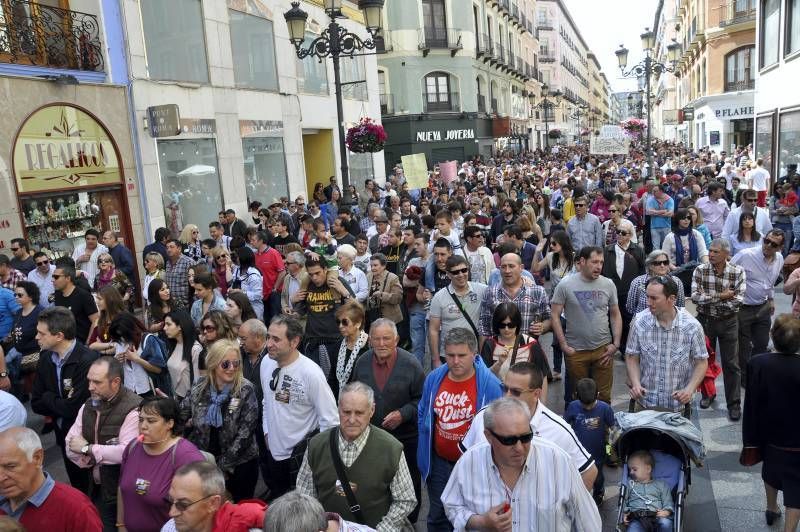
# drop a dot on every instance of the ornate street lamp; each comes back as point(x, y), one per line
point(647, 67)
point(547, 105)
point(336, 42)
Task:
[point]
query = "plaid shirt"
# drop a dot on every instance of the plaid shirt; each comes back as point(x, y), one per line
point(402, 489)
point(177, 278)
point(707, 286)
point(14, 277)
point(666, 355)
point(365, 223)
point(637, 295)
point(531, 301)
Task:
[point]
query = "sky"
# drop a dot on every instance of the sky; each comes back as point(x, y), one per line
point(605, 24)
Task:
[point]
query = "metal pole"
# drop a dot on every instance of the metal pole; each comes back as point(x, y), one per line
point(647, 71)
point(546, 124)
point(335, 48)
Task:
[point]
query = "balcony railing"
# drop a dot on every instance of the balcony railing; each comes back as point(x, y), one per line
point(511, 59)
point(439, 38)
point(481, 103)
point(437, 102)
point(499, 53)
point(484, 45)
point(32, 33)
point(741, 85)
point(544, 24)
point(387, 104)
point(545, 56)
point(733, 12)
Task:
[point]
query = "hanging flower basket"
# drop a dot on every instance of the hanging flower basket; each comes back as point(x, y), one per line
point(366, 137)
point(634, 127)
point(554, 134)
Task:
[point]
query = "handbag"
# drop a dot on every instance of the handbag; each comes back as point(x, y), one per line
point(355, 508)
point(29, 363)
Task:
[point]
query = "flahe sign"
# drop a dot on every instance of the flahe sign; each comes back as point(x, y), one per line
point(61, 147)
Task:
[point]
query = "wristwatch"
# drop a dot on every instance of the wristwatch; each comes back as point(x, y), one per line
point(85, 449)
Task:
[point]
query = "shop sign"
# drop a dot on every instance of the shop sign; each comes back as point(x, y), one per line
point(199, 126)
point(744, 111)
point(713, 138)
point(260, 128)
point(671, 117)
point(61, 146)
point(688, 114)
point(450, 134)
point(164, 120)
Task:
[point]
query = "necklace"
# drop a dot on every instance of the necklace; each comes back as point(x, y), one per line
point(342, 371)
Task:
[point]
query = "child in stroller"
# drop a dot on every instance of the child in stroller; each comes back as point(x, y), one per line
point(649, 506)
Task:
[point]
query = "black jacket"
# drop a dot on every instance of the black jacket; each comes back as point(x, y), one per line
point(634, 267)
point(62, 403)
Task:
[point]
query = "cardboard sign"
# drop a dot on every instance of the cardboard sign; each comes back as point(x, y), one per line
point(415, 168)
point(609, 145)
point(448, 170)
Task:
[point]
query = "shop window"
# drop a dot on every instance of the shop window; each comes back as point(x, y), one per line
point(312, 75)
point(361, 167)
point(764, 139)
point(174, 38)
point(788, 141)
point(769, 32)
point(792, 26)
point(739, 74)
point(253, 46)
point(265, 169)
point(190, 182)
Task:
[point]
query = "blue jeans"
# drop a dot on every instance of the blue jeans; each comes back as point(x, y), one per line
point(437, 480)
point(663, 524)
point(419, 335)
point(658, 234)
point(13, 362)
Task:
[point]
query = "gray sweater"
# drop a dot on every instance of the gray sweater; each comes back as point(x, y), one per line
point(402, 392)
point(654, 495)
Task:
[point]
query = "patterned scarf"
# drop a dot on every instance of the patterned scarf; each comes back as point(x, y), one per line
point(679, 252)
point(343, 370)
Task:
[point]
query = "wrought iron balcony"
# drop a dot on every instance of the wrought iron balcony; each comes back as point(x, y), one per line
point(439, 38)
point(36, 34)
point(734, 12)
point(741, 85)
point(484, 45)
point(545, 56)
point(437, 102)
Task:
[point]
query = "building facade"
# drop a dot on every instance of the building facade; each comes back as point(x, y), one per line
point(665, 112)
point(455, 77)
point(777, 103)
point(718, 103)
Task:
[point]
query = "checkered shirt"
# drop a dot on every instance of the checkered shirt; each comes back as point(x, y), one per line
point(707, 286)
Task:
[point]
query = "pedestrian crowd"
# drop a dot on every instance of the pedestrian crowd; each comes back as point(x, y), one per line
point(312, 365)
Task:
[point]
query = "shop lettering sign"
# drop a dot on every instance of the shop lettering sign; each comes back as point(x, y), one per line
point(60, 147)
point(450, 134)
point(744, 111)
point(199, 126)
point(260, 128)
point(164, 120)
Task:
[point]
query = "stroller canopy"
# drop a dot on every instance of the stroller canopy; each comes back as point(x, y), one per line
point(677, 427)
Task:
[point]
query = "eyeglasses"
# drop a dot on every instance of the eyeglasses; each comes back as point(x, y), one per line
point(56, 276)
point(228, 364)
point(459, 272)
point(661, 262)
point(749, 200)
point(580, 205)
point(209, 328)
point(105, 260)
point(613, 210)
point(516, 392)
point(507, 325)
point(223, 256)
point(14, 249)
point(772, 243)
point(508, 441)
point(273, 382)
point(622, 233)
point(182, 506)
point(300, 204)
point(42, 263)
point(343, 323)
point(19, 295)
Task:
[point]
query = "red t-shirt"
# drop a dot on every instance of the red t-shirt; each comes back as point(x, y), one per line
point(455, 406)
point(270, 264)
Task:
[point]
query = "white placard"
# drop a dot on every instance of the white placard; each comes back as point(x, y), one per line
point(609, 145)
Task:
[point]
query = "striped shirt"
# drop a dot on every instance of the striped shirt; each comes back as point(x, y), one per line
point(549, 495)
point(707, 286)
point(666, 355)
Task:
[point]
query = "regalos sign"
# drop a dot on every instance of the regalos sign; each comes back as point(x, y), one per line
point(63, 147)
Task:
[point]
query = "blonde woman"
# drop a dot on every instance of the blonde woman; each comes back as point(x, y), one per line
point(222, 409)
point(109, 275)
point(190, 238)
point(154, 269)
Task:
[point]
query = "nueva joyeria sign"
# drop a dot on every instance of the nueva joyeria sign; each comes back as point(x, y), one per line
point(61, 146)
point(450, 134)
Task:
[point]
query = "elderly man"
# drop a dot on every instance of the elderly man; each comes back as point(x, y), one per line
point(177, 273)
point(379, 482)
point(396, 405)
point(666, 356)
point(31, 497)
point(718, 291)
point(197, 497)
point(42, 276)
point(253, 339)
point(106, 423)
point(531, 299)
point(451, 397)
point(515, 469)
point(526, 382)
point(298, 512)
point(346, 254)
point(123, 258)
point(295, 278)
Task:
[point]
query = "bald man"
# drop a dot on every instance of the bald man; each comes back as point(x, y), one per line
point(30, 496)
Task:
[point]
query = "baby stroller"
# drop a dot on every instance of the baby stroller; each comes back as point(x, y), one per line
point(674, 443)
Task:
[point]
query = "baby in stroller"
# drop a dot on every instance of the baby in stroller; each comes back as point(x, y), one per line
point(649, 506)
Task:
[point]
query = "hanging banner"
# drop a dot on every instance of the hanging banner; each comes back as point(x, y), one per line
point(415, 168)
point(609, 145)
point(448, 170)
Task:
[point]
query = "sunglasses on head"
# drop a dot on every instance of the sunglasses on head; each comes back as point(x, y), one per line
point(508, 441)
point(228, 364)
point(273, 382)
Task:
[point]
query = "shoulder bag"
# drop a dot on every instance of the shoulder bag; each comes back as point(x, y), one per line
point(355, 508)
point(463, 312)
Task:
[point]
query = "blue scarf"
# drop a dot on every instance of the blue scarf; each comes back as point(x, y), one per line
point(214, 412)
point(679, 245)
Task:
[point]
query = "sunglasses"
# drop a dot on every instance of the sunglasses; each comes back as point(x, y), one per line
point(105, 260)
point(273, 382)
point(182, 506)
point(661, 263)
point(622, 233)
point(343, 323)
point(223, 256)
point(209, 328)
point(228, 364)
point(42, 263)
point(772, 243)
point(507, 325)
point(580, 205)
point(56, 276)
point(508, 441)
point(14, 249)
point(613, 210)
point(19, 295)
point(459, 272)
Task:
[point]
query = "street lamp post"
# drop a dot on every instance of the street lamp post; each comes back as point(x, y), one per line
point(546, 105)
point(336, 42)
point(577, 114)
point(647, 67)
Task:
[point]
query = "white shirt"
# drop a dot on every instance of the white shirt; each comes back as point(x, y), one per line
point(134, 375)
point(758, 179)
point(760, 275)
point(545, 424)
point(302, 401)
point(357, 281)
point(731, 227)
point(12, 412)
point(619, 262)
point(45, 284)
point(549, 495)
point(90, 267)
